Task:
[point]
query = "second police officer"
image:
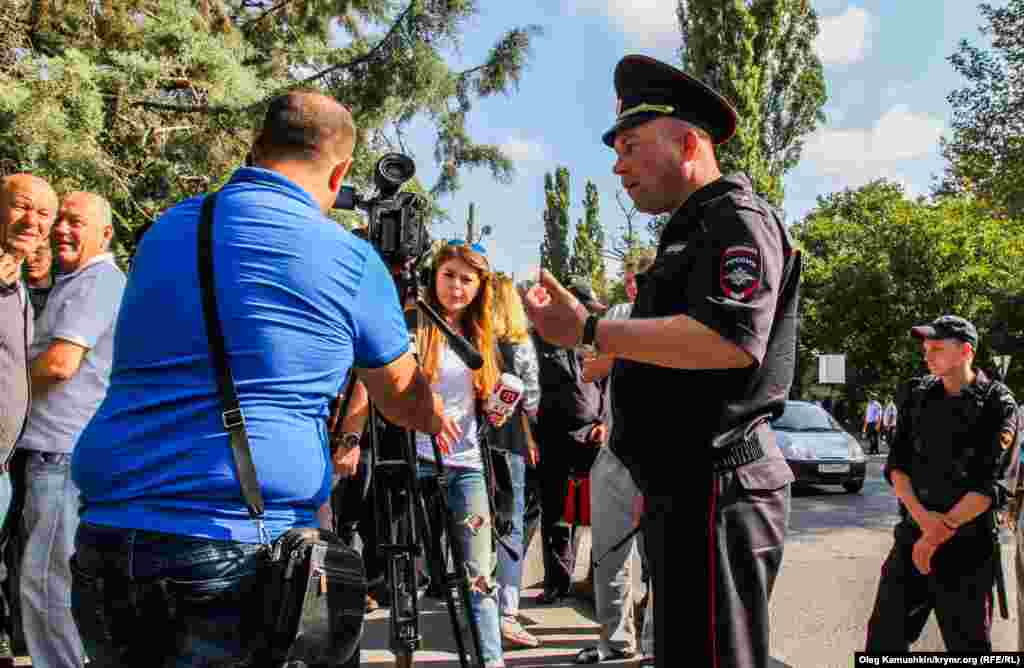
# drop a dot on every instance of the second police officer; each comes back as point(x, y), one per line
point(704, 361)
point(947, 465)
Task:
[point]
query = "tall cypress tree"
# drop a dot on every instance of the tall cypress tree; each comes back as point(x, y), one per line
point(760, 55)
point(554, 250)
point(588, 244)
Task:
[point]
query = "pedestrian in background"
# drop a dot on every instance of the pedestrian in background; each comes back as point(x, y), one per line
point(72, 353)
point(511, 442)
point(28, 206)
point(39, 275)
point(612, 496)
point(872, 424)
point(889, 416)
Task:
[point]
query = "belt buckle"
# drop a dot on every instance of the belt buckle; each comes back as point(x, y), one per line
point(232, 419)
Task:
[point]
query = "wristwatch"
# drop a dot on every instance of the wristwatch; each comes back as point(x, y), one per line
point(588, 344)
point(347, 440)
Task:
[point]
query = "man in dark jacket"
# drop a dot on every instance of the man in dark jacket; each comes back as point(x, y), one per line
point(572, 425)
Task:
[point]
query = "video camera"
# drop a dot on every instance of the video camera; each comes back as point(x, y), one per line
point(396, 221)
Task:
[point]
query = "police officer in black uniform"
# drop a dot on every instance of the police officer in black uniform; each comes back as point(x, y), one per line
point(705, 360)
point(947, 464)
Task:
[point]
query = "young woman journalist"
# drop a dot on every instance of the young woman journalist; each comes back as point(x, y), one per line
point(460, 290)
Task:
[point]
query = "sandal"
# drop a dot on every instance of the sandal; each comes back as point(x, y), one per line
point(593, 655)
point(514, 636)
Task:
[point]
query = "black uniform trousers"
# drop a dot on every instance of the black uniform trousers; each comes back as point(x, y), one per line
point(959, 590)
point(556, 536)
point(745, 546)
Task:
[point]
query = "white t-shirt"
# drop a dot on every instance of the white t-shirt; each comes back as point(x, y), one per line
point(455, 385)
point(874, 412)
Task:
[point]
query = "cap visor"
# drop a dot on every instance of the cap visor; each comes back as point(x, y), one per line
point(923, 332)
point(626, 123)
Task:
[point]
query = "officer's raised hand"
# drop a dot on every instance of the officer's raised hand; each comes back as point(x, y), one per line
point(556, 314)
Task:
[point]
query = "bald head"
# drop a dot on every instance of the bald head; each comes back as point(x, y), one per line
point(308, 138)
point(306, 126)
point(83, 230)
point(28, 206)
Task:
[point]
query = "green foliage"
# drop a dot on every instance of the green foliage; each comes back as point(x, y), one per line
point(554, 249)
point(588, 244)
point(877, 263)
point(150, 101)
point(986, 148)
point(760, 55)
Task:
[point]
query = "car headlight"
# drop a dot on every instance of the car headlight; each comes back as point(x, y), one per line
point(791, 450)
point(856, 452)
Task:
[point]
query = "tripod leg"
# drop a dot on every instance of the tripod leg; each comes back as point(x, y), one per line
point(439, 569)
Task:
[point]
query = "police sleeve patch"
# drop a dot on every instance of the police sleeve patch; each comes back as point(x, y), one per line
point(740, 274)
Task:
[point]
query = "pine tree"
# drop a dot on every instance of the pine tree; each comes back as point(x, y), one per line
point(149, 101)
point(760, 55)
point(554, 250)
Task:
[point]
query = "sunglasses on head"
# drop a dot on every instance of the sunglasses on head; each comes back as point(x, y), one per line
point(473, 247)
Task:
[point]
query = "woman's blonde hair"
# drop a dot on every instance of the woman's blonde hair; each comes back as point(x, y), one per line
point(510, 323)
point(476, 321)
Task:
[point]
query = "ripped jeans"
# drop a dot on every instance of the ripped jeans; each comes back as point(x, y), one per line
point(467, 500)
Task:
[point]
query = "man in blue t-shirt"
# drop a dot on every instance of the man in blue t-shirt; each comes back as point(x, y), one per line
point(302, 301)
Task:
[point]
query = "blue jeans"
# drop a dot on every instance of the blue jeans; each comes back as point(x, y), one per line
point(510, 571)
point(142, 598)
point(468, 503)
point(50, 519)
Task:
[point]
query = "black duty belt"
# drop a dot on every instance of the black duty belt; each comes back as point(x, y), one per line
point(738, 446)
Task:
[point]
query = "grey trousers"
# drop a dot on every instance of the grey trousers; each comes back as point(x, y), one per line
point(612, 491)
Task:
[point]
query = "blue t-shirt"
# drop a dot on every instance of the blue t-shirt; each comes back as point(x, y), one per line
point(301, 301)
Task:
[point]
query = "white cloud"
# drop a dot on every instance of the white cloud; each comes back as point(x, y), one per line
point(860, 155)
point(651, 23)
point(844, 39)
point(524, 150)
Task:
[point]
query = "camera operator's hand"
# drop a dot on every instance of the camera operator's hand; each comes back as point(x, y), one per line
point(558, 316)
point(346, 461)
point(449, 435)
point(404, 397)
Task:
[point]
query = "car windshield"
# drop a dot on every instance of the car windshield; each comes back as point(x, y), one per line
point(805, 417)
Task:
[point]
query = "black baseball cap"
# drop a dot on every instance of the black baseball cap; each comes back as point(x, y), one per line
point(582, 290)
point(647, 89)
point(947, 327)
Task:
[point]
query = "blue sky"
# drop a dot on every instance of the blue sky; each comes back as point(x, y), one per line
point(885, 67)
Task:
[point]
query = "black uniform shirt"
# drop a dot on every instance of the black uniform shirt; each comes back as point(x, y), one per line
point(720, 261)
point(951, 445)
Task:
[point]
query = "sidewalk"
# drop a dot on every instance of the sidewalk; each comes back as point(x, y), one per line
point(563, 629)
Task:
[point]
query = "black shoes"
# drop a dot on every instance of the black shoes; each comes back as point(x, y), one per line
point(551, 596)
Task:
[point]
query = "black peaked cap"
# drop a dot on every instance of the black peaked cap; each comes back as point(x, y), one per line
point(648, 88)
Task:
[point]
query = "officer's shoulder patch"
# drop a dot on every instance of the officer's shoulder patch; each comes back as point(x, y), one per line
point(740, 272)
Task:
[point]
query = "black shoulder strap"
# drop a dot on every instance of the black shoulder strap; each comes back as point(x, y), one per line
point(231, 417)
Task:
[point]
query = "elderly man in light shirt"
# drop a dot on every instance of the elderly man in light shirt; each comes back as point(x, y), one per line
point(71, 359)
point(612, 494)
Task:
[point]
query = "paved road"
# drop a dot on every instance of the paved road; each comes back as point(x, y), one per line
point(829, 577)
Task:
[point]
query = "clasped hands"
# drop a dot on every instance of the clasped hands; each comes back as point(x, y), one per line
point(934, 532)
